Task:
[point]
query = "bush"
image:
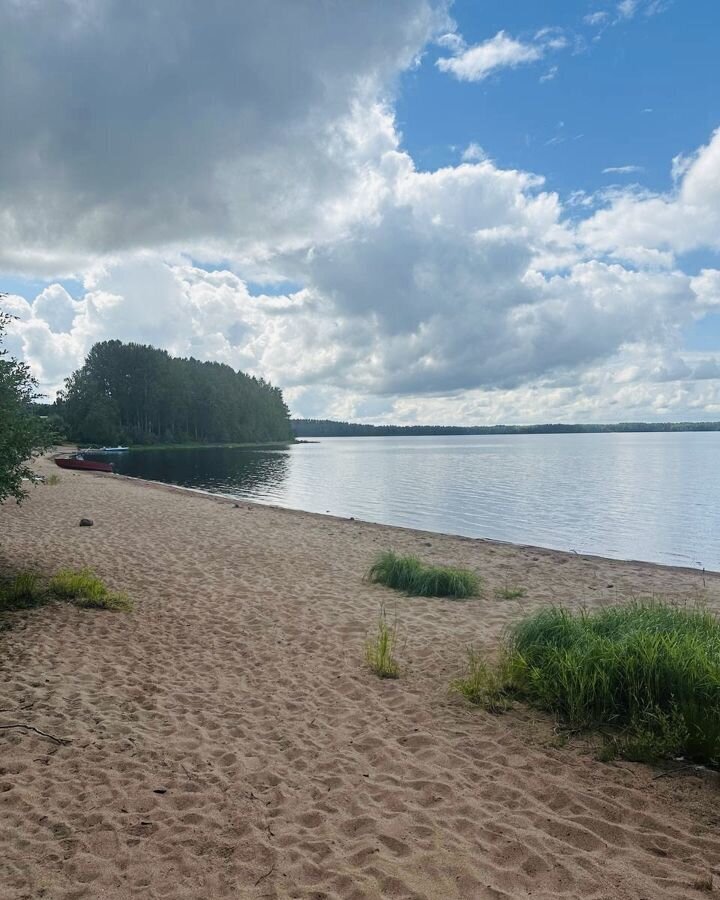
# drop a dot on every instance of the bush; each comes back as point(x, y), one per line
point(408, 574)
point(380, 649)
point(650, 669)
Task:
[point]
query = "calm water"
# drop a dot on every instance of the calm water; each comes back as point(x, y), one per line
point(632, 496)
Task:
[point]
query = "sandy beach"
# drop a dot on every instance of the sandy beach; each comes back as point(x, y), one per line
point(227, 740)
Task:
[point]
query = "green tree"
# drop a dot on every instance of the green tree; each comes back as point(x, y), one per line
point(140, 394)
point(22, 434)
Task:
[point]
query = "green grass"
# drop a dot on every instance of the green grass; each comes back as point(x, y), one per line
point(409, 574)
point(24, 591)
point(649, 670)
point(380, 649)
point(51, 480)
point(86, 590)
point(482, 685)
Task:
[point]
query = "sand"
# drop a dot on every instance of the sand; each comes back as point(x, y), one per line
point(227, 740)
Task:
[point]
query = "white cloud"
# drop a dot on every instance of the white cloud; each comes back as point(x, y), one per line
point(596, 18)
point(627, 8)
point(502, 51)
point(474, 153)
point(685, 219)
point(622, 170)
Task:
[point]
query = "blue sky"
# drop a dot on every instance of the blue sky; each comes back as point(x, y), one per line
point(417, 211)
point(592, 114)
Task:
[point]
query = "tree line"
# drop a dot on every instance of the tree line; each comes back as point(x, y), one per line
point(134, 393)
point(329, 428)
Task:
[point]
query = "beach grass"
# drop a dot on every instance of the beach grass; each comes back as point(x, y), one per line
point(380, 649)
point(410, 575)
point(86, 590)
point(647, 669)
point(482, 684)
point(24, 591)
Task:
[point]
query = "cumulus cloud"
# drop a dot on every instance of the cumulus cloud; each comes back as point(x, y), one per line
point(685, 219)
point(468, 293)
point(219, 128)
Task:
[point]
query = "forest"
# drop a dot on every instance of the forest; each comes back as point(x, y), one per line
point(134, 393)
point(328, 428)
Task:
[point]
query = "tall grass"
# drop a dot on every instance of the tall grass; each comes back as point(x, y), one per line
point(409, 574)
point(380, 649)
point(652, 669)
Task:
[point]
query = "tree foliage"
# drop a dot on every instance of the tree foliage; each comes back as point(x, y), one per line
point(23, 434)
point(139, 394)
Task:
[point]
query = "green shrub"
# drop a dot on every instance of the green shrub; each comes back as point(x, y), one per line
point(52, 480)
point(380, 649)
point(482, 685)
point(408, 574)
point(649, 669)
point(24, 591)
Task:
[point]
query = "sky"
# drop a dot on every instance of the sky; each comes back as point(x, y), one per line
point(422, 211)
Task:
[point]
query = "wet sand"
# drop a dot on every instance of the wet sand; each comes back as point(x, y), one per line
point(228, 741)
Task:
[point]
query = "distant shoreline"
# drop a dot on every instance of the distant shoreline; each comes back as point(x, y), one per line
point(304, 428)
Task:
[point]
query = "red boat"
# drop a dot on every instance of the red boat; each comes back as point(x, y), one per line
point(79, 462)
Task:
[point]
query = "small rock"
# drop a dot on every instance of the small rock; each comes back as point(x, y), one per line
point(236, 505)
point(159, 790)
point(86, 522)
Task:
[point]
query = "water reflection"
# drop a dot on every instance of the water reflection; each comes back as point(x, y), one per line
point(223, 470)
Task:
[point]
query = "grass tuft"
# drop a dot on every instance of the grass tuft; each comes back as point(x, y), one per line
point(409, 574)
point(86, 590)
point(482, 685)
point(23, 592)
point(380, 649)
point(651, 670)
point(51, 480)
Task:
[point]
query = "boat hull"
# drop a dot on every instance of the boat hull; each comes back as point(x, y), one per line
point(90, 465)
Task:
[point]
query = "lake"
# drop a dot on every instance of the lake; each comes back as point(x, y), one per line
point(653, 497)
